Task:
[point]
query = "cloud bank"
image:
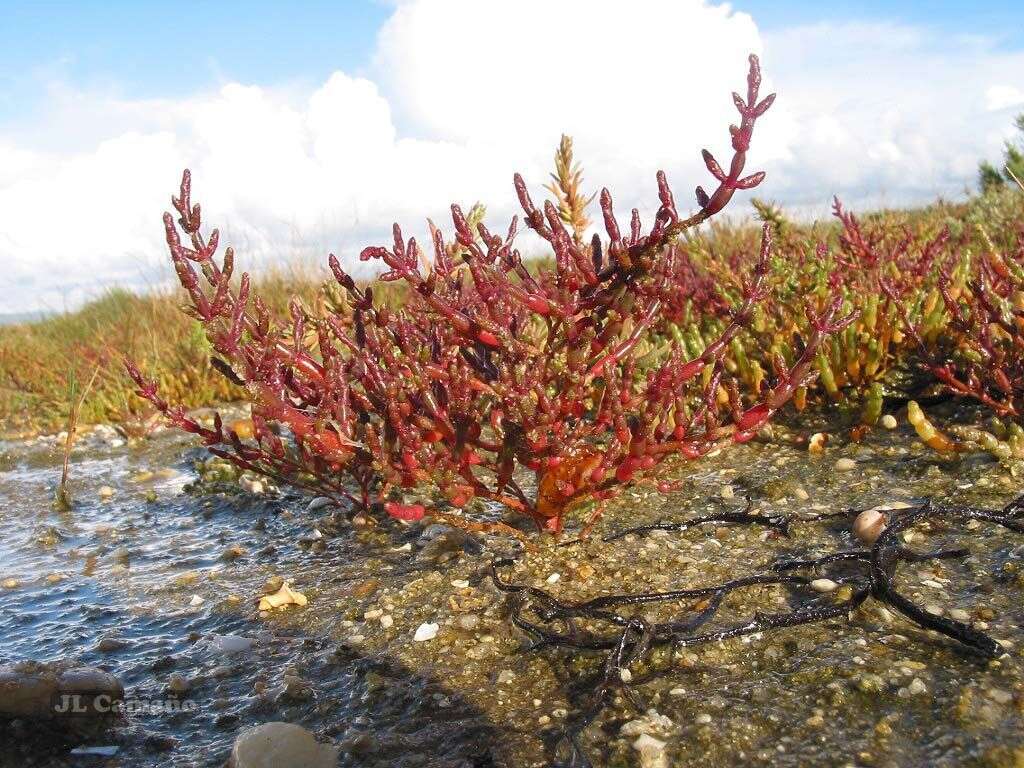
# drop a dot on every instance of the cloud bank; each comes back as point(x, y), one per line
point(461, 93)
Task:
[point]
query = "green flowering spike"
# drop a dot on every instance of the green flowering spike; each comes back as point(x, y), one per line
point(827, 377)
point(872, 405)
point(869, 316)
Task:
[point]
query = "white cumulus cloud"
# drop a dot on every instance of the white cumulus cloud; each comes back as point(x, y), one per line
point(461, 93)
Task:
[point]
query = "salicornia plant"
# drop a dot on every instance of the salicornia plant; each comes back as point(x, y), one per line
point(490, 370)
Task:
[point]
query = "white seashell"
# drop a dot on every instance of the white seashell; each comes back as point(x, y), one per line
point(425, 631)
point(284, 596)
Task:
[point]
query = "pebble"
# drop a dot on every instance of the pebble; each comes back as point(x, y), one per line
point(959, 614)
point(110, 644)
point(231, 643)
point(824, 585)
point(469, 621)
point(845, 465)
point(277, 744)
point(460, 583)
point(251, 485)
point(817, 443)
point(319, 503)
point(889, 421)
point(10, 583)
point(425, 631)
point(196, 601)
point(868, 525)
point(297, 689)
point(999, 696)
point(365, 588)
point(387, 621)
point(652, 751)
point(29, 689)
point(554, 577)
point(178, 684)
point(106, 492)
point(917, 687)
point(727, 492)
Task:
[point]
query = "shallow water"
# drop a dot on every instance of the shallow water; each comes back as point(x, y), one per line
point(871, 691)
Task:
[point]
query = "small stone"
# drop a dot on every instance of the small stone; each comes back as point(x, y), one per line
point(425, 631)
point(31, 689)
point(460, 583)
point(106, 492)
point(232, 553)
point(868, 525)
point(934, 610)
point(959, 614)
point(584, 572)
point(110, 645)
point(889, 421)
point(917, 687)
point(652, 751)
point(554, 577)
point(999, 696)
point(468, 621)
point(727, 492)
point(625, 675)
point(387, 621)
point(277, 744)
point(845, 465)
point(297, 689)
point(250, 484)
point(817, 442)
point(178, 684)
point(365, 588)
point(10, 583)
point(506, 676)
point(824, 585)
point(96, 751)
point(284, 596)
point(231, 643)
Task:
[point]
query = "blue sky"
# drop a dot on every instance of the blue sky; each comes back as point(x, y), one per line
point(311, 128)
point(148, 49)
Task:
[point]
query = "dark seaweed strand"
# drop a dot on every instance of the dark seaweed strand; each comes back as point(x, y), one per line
point(549, 621)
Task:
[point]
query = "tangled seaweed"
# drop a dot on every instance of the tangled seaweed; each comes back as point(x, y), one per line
point(628, 640)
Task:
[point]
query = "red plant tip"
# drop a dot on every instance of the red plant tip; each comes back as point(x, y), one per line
point(488, 338)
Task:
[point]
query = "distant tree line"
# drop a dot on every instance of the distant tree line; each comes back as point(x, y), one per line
point(1012, 168)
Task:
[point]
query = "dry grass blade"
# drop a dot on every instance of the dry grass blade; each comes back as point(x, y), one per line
point(62, 499)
